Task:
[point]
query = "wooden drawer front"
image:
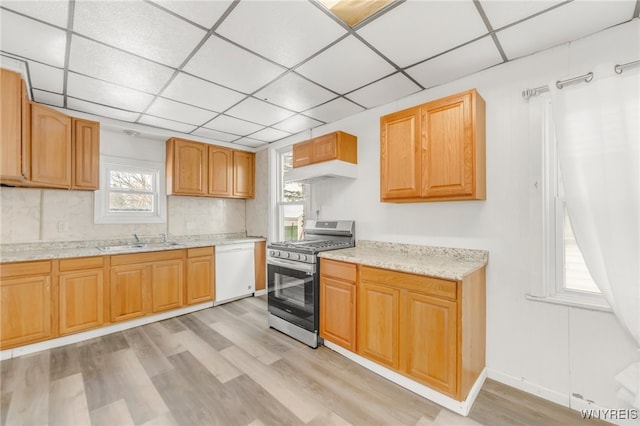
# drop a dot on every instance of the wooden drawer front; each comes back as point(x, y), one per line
point(152, 256)
point(79, 263)
point(426, 285)
point(344, 271)
point(25, 268)
point(200, 251)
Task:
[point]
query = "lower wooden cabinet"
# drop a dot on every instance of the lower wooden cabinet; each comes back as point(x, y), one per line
point(200, 275)
point(129, 292)
point(379, 323)
point(338, 303)
point(167, 284)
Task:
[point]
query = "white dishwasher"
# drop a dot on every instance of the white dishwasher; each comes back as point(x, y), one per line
point(235, 278)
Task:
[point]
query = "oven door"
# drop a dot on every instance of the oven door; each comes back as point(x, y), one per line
point(293, 292)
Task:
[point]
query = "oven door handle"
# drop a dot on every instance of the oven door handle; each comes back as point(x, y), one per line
point(309, 268)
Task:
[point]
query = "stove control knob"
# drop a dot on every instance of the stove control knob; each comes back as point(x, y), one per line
point(287, 255)
point(272, 253)
point(298, 257)
point(304, 257)
point(277, 254)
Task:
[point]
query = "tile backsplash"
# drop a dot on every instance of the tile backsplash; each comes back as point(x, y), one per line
point(30, 215)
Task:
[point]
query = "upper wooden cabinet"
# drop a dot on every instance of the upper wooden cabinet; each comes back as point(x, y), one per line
point(86, 154)
point(50, 147)
point(334, 146)
point(14, 128)
point(195, 168)
point(434, 151)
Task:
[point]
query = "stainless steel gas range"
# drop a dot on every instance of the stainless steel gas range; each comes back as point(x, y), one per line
point(293, 277)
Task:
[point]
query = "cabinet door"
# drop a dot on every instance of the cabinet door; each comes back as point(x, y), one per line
point(10, 125)
point(86, 154)
point(200, 279)
point(378, 323)
point(129, 287)
point(428, 342)
point(167, 283)
point(302, 154)
point(400, 160)
point(81, 301)
point(338, 312)
point(220, 171)
point(25, 312)
point(189, 173)
point(50, 147)
point(324, 148)
point(448, 147)
point(243, 174)
point(260, 264)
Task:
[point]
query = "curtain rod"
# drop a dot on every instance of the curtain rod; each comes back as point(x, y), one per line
point(527, 93)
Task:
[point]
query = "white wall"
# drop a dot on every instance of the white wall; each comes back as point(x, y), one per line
point(257, 215)
point(552, 350)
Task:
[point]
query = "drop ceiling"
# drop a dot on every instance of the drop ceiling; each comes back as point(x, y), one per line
point(252, 72)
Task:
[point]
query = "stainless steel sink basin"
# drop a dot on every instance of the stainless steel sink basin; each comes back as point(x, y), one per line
point(137, 247)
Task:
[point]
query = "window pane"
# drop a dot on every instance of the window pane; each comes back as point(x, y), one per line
point(131, 180)
point(293, 221)
point(577, 276)
point(291, 191)
point(128, 202)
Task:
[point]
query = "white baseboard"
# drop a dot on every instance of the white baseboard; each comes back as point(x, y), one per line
point(532, 388)
point(260, 292)
point(102, 331)
point(459, 407)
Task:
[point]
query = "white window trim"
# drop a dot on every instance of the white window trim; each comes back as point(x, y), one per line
point(102, 215)
point(551, 289)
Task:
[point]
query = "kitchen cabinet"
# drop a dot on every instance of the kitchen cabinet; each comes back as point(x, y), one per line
point(434, 151)
point(129, 292)
point(25, 303)
point(333, 146)
point(220, 171)
point(86, 154)
point(379, 323)
point(167, 285)
point(338, 303)
point(260, 264)
point(14, 128)
point(82, 294)
point(187, 167)
point(50, 147)
point(243, 174)
point(200, 285)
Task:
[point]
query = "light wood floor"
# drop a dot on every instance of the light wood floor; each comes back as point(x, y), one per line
point(224, 366)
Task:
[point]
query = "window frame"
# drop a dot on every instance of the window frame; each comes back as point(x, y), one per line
point(280, 204)
point(102, 215)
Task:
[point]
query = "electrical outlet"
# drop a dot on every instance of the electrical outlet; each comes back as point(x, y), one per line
point(62, 226)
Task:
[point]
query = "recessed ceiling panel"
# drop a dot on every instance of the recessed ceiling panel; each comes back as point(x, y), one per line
point(166, 124)
point(215, 135)
point(416, 30)
point(106, 63)
point(334, 110)
point(108, 94)
point(139, 28)
point(286, 32)
point(386, 90)
point(505, 12)
point(259, 112)
point(178, 111)
point(198, 92)
point(231, 66)
point(45, 77)
point(227, 124)
point(463, 61)
point(294, 92)
point(53, 12)
point(205, 13)
point(346, 66)
point(564, 23)
point(32, 40)
point(48, 98)
point(100, 110)
point(297, 123)
point(269, 135)
point(253, 143)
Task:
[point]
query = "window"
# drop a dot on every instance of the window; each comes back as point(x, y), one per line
point(292, 202)
point(132, 191)
point(566, 279)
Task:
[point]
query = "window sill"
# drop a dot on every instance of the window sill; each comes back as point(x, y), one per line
point(593, 303)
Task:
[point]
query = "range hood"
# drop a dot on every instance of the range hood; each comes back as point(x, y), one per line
point(320, 171)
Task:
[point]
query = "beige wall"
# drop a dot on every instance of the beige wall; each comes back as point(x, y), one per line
point(258, 208)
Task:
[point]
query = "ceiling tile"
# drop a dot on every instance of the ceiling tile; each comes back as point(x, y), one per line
point(108, 94)
point(103, 111)
point(334, 110)
point(45, 77)
point(505, 12)
point(295, 93)
point(178, 111)
point(286, 32)
point(53, 12)
point(166, 124)
point(205, 13)
point(297, 123)
point(560, 25)
point(139, 28)
point(441, 25)
point(32, 40)
point(463, 61)
point(99, 61)
point(198, 92)
point(215, 135)
point(253, 143)
point(231, 66)
point(386, 90)
point(48, 98)
point(346, 66)
point(269, 135)
point(259, 112)
point(224, 123)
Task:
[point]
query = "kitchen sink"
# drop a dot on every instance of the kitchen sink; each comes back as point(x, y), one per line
point(137, 247)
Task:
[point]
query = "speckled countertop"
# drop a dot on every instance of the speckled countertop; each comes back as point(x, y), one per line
point(439, 262)
point(67, 249)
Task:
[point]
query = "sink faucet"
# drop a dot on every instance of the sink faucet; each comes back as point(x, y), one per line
point(164, 238)
point(136, 237)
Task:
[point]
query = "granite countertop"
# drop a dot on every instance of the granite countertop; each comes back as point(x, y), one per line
point(66, 249)
point(439, 262)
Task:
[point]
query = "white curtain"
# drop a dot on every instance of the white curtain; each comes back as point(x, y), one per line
point(598, 133)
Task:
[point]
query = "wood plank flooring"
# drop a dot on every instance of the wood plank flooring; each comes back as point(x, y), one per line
point(224, 366)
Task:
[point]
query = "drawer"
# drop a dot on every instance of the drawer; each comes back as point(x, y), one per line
point(150, 256)
point(419, 283)
point(79, 263)
point(342, 270)
point(199, 251)
point(25, 268)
